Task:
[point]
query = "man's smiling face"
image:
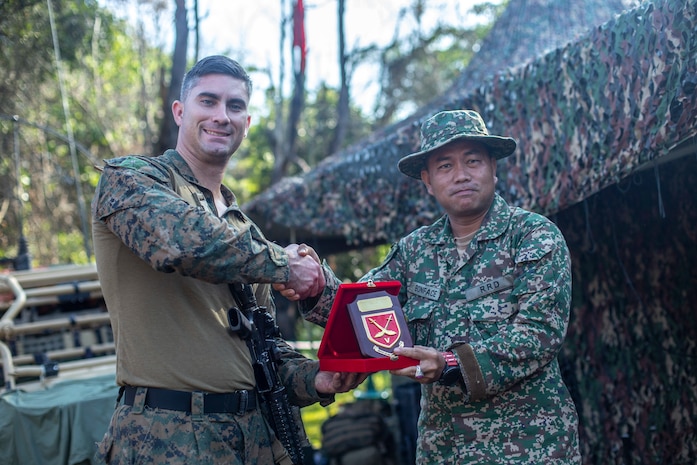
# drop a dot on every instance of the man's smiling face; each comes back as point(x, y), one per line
point(213, 119)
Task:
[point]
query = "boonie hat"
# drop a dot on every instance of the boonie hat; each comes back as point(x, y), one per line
point(448, 126)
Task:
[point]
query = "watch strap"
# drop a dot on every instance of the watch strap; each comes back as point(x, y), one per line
point(450, 360)
point(451, 371)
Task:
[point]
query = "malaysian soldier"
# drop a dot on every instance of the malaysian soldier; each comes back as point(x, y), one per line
point(165, 264)
point(486, 291)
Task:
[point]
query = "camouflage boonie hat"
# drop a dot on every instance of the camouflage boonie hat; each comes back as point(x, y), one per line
point(449, 126)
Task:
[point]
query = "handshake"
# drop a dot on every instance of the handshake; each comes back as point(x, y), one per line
point(306, 275)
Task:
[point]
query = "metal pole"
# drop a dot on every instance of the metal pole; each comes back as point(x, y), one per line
point(23, 260)
point(71, 138)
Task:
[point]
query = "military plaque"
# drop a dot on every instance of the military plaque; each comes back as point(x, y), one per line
point(365, 325)
point(379, 324)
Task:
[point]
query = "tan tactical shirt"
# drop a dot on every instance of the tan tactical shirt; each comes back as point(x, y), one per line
point(164, 266)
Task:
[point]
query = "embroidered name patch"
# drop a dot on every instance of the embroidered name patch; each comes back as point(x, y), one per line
point(489, 287)
point(422, 290)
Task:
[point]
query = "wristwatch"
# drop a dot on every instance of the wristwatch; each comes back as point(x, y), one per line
point(451, 373)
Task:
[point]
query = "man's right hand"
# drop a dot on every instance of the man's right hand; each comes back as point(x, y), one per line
point(333, 382)
point(306, 276)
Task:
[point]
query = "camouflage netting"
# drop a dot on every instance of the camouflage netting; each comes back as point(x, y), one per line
point(585, 115)
point(589, 114)
point(630, 358)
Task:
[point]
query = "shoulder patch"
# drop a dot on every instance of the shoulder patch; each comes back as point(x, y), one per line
point(142, 164)
point(541, 242)
point(132, 162)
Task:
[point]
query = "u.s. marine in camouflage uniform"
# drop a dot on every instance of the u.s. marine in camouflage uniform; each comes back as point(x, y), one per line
point(165, 263)
point(486, 292)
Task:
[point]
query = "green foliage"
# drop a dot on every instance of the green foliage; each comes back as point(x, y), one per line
point(70, 248)
point(490, 11)
point(314, 415)
point(250, 168)
point(109, 78)
point(249, 174)
point(420, 66)
point(26, 47)
point(352, 265)
point(319, 123)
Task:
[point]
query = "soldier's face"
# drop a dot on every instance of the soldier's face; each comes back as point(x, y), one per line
point(214, 119)
point(462, 178)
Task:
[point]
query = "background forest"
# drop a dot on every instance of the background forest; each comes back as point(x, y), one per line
point(80, 83)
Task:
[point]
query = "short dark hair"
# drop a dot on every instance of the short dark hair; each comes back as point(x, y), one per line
point(214, 64)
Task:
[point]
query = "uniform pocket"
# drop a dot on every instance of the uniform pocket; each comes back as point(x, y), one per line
point(492, 310)
point(491, 313)
point(418, 312)
point(104, 447)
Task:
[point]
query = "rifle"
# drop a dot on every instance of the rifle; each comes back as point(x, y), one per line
point(258, 329)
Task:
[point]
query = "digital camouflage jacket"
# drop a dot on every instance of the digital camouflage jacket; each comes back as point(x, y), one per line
point(503, 308)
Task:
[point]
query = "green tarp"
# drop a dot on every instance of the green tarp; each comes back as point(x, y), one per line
point(59, 425)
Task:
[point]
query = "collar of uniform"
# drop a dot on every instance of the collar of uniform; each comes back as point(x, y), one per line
point(174, 159)
point(496, 220)
point(494, 224)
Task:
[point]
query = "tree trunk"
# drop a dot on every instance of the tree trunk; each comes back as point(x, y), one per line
point(343, 112)
point(287, 153)
point(169, 129)
point(278, 132)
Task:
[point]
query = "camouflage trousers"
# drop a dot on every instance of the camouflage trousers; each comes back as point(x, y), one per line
point(143, 435)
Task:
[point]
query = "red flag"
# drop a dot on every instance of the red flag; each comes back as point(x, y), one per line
point(299, 37)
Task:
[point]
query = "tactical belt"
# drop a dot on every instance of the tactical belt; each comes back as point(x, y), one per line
point(234, 402)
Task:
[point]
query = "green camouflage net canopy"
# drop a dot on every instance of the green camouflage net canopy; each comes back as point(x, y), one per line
point(586, 115)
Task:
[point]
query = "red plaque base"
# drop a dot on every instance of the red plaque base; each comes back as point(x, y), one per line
point(341, 349)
